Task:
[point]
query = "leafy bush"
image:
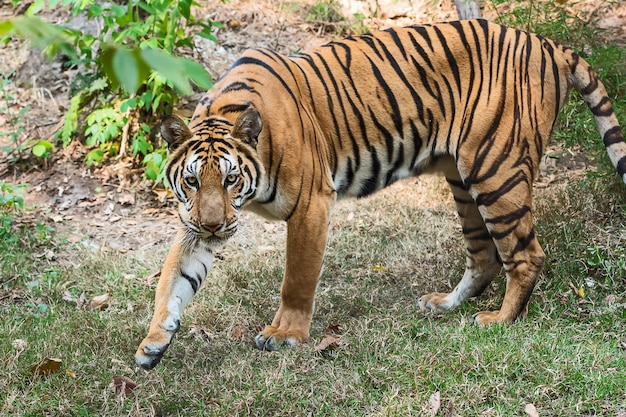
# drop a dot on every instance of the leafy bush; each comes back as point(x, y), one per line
point(128, 73)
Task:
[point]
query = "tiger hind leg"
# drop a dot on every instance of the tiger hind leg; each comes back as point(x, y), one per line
point(506, 210)
point(482, 263)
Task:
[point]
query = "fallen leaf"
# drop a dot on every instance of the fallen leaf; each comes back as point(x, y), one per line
point(531, 411)
point(202, 333)
point(122, 385)
point(46, 367)
point(332, 328)
point(580, 292)
point(19, 344)
point(163, 195)
point(126, 199)
point(100, 302)
point(379, 268)
point(327, 344)
point(435, 403)
point(152, 277)
point(57, 218)
point(237, 333)
point(114, 218)
point(70, 373)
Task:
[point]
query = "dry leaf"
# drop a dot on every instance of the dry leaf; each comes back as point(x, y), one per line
point(580, 292)
point(332, 328)
point(152, 277)
point(327, 344)
point(435, 403)
point(19, 344)
point(163, 195)
point(70, 373)
point(531, 411)
point(46, 366)
point(379, 268)
point(126, 199)
point(122, 385)
point(237, 333)
point(101, 302)
point(201, 333)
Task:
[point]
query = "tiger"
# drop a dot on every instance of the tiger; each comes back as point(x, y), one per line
point(287, 136)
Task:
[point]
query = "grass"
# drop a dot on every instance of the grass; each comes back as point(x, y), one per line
point(567, 357)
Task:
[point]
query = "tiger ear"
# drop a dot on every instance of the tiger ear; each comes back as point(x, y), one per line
point(248, 126)
point(175, 132)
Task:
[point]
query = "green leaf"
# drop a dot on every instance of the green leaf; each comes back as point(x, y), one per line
point(197, 74)
point(6, 27)
point(106, 63)
point(43, 148)
point(169, 67)
point(126, 69)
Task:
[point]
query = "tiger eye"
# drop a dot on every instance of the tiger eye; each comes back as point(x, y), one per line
point(191, 181)
point(230, 179)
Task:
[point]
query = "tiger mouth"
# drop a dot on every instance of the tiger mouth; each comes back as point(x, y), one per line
point(211, 237)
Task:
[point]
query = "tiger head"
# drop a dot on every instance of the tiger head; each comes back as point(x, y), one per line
point(213, 171)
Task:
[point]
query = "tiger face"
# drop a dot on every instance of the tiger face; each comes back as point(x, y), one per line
point(213, 172)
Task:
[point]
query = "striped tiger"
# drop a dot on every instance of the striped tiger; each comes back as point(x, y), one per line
point(286, 136)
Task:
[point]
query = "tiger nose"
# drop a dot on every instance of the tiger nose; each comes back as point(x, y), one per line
point(212, 227)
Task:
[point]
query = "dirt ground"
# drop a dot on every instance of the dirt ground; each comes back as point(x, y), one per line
point(111, 207)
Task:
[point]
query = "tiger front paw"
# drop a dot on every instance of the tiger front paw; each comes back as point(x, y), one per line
point(152, 348)
point(273, 338)
point(435, 301)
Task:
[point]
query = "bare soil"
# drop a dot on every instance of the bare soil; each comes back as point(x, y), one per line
point(112, 207)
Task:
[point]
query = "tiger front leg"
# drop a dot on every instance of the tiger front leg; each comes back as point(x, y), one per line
point(186, 266)
point(306, 243)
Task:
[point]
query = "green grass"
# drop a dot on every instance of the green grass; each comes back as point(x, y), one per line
point(565, 358)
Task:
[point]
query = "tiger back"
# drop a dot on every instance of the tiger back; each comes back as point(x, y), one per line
point(287, 136)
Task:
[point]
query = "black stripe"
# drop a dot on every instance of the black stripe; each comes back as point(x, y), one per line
point(603, 108)
point(385, 133)
point(612, 136)
point(389, 179)
point(621, 167)
point(195, 283)
point(456, 183)
point(450, 57)
point(591, 87)
point(371, 184)
point(408, 84)
point(487, 199)
point(233, 108)
point(396, 115)
point(510, 217)
point(271, 70)
point(522, 243)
